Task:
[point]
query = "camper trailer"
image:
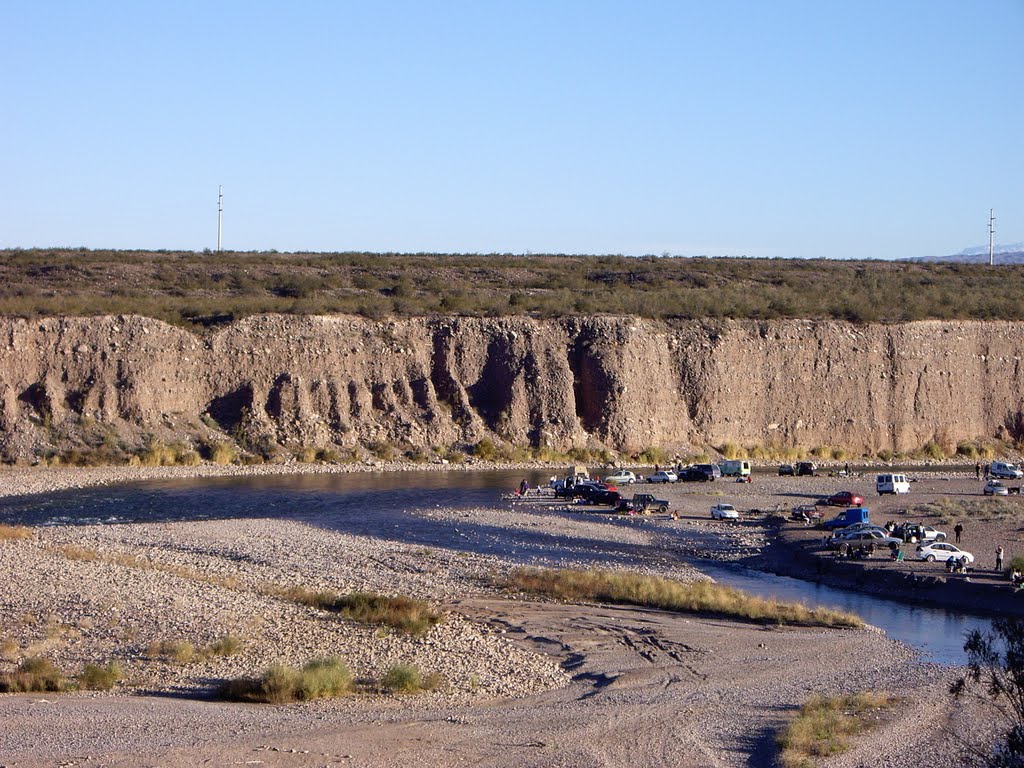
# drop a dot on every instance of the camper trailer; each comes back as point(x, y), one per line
point(737, 468)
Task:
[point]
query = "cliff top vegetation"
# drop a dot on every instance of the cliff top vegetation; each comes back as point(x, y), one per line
point(207, 289)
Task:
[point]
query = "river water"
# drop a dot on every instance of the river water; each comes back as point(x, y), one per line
point(382, 505)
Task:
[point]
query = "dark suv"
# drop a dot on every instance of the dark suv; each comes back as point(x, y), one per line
point(805, 468)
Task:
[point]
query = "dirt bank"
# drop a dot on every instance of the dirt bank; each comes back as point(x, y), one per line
point(627, 383)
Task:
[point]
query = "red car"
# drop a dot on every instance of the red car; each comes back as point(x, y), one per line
point(845, 499)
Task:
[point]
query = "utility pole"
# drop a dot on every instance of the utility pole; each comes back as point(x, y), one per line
point(991, 235)
point(220, 216)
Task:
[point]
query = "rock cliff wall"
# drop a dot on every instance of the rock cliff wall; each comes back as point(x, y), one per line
point(623, 382)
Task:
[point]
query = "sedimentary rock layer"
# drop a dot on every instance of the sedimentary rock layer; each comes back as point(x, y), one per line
point(622, 382)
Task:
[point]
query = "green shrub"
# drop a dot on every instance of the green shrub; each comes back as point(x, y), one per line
point(1017, 564)
point(34, 675)
point(406, 678)
point(885, 454)
point(968, 451)
point(318, 679)
point(933, 450)
point(732, 451)
point(485, 450)
point(95, 677)
point(413, 617)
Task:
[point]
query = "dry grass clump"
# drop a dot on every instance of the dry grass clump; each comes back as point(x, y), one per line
point(33, 675)
point(666, 594)
point(11, 532)
point(825, 725)
point(319, 679)
point(185, 652)
point(97, 677)
point(414, 617)
point(407, 678)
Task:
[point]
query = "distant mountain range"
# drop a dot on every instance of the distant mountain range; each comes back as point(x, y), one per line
point(1011, 253)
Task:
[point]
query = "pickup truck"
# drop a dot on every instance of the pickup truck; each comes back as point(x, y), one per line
point(642, 503)
point(847, 517)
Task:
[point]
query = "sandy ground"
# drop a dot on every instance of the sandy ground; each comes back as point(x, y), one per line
point(527, 683)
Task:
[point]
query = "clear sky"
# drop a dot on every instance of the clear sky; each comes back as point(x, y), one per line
point(875, 129)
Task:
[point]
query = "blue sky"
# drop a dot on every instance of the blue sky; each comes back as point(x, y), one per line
point(804, 129)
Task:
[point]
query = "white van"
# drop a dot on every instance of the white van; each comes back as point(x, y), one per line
point(1005, 470)
point(892, 484)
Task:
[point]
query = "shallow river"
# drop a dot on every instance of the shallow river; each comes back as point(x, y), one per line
point(380, 505)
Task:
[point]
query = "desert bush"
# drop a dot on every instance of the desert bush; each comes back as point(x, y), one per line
point(653, 456)
point(1017, 564)
point(885, 454)
point(33, 675)
point(825, 725)
point(666, 594)
point(968, 451)
point(318, 679)
point(382, 450)
point(731, 451)
point(96, 677)
point(221, 452)
point(228, 645)
point(8, 649)
point(11, 532)
point(406, 678)
point(413, 617)
point(933, 450)
point(484, 449)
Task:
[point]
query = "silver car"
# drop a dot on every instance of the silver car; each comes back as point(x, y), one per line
point(864, 539)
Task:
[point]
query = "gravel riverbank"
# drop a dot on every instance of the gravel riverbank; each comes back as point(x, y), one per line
point(525, 682)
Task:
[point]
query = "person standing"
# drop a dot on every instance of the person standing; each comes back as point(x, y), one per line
point(977, 471)
point(999, 559)
point(959, 529)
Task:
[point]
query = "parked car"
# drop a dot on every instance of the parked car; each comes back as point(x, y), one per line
point(724, 512)
point(846, 518)
point(858, 527)
point(805, 468)
point(1006, 470)
point(941, 551)
point(713, 471)
point(643, 502)
point(602, 498)
point(864, 540)
point(694, 475)
point(890, 483)
point(915, 532)
point(844, 499)
point(995, 488)
point(621, 477)
point(663, 476)
point(735, 468)
point(787, 469)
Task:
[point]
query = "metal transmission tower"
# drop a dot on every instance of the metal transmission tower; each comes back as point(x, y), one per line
point(991, 235)
point(220, 216)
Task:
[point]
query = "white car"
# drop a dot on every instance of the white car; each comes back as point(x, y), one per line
point(662, 476)
point(621, 477)
point(724, 512)
point(995, 488)
point(941, 551)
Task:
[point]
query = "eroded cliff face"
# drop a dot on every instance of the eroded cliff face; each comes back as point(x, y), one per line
point(622, 382)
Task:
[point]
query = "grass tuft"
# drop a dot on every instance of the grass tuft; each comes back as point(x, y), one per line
point(406, 678)
point(34, 675)
point(825, 725)
point(97, 677)
point(414, 617)
point(11, 532)
point(318, 679)
point(666, 594)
